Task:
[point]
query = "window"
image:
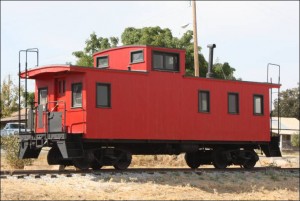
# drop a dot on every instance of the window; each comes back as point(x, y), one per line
point(103, 95)
point(233, 103)
point(137, 56)
point(77, 95)
point(258, 105)
point(203, 101)
point(102, 62)
point(165, 61)
point(42, 99)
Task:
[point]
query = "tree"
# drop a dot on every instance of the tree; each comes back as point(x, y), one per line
point(9, 97)
point(30, 98)
point(295, 140)
point(93, 44)
point(223, 71)
point(288, 103)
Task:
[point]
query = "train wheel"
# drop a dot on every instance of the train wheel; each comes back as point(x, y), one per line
point(81, 163)
point(250, 163)
point(95, 165)
point(219, 159)
point(192, 160)
point(53, 156)
point(123, 162)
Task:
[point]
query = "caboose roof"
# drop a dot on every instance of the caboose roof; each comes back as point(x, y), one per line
point(61, 68)
point(136, 46)
point(53, 69)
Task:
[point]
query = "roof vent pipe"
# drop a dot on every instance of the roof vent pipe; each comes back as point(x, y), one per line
point(210, 62)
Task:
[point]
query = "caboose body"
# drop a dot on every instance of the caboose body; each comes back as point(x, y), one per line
point(138, 100)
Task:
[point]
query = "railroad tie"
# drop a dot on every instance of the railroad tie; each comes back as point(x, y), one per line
point(20, 177)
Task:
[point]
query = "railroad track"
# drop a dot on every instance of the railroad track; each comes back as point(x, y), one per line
point(69, 173)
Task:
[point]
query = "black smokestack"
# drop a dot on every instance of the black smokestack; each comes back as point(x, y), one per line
point(210, 62)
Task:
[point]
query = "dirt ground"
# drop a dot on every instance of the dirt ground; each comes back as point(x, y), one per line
point(268, 185)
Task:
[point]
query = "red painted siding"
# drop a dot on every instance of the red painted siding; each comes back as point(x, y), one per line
point(153, 104)
point(163, 105)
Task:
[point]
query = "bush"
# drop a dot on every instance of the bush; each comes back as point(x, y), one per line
point(295, 140)
point(10, 145)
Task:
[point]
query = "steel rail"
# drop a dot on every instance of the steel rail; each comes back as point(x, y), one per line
point(140, 170)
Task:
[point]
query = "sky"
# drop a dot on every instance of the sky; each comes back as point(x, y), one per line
point(248, 34)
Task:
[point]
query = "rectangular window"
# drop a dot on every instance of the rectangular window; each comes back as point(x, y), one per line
point(103, 95)
point(102, 62)
point(258, 108)
point(43, 97)
point(43, 93)
point(137, 56)
point(233, 103)
point(165, 61)
point(203, 101)
point(77, 95)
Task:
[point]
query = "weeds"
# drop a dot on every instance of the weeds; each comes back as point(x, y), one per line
point(10, 144)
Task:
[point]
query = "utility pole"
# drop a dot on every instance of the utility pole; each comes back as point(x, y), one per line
point(196, 60)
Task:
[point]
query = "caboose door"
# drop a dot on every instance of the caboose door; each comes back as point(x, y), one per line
point(58, 107)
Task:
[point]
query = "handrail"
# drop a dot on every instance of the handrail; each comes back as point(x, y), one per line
point(36, 50)
point(271, 64)
point(278, 94)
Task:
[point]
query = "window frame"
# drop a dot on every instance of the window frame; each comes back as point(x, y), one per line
point(164, 54)
point(108, 95)
point(139, 61)
point(39, 90)
point(237, 103)
point(101, 57)
point(262, 104)
point(200, 101)
point(72, 100)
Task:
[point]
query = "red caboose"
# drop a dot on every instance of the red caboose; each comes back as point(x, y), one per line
point(138, 100)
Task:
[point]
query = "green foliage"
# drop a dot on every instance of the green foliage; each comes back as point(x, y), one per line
point(10, 144)
point(223, 71)
point(288, 103)
point(93, 44)
point(84, 59)
point(295, 140)
point(30, 97)
point(9, 97)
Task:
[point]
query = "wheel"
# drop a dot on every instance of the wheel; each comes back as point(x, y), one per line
point(81, 163)
point(54, 156)
point(219, 160)
point(95, 165)
point(192, 160)
point(123, 162)
point(251, 162)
